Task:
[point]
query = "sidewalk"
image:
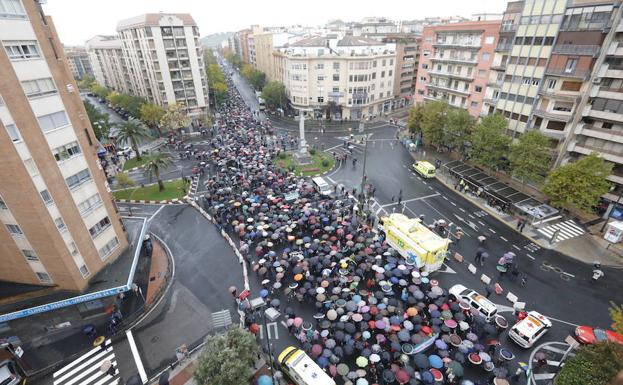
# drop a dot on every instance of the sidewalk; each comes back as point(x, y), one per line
point(586, 248)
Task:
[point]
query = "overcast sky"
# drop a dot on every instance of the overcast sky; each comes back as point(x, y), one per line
point(77, 21)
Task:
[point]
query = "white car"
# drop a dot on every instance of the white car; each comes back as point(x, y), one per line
point(477, 301)
point(9, 374)
point(527, 331)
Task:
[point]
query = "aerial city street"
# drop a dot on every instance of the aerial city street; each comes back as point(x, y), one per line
point(233, 195)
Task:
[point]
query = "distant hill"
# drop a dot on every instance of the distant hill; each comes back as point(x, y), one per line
point(215, 39)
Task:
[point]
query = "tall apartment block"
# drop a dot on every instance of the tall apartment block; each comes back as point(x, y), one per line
point(58, 223)
point(164, 59)
point(455, 62)
point(79, 63)
point(552, 72)
point(109, 65)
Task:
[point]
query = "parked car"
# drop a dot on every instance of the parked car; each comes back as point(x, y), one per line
point(477, 301)
point(527, 331)
point(588, 335)
point(9, 374)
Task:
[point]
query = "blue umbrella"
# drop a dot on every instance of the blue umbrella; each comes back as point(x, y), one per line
point(435, 361)
point(323, 362)
point(427, 377)
point(263, 293)
point(441, 345)
point(264, 380)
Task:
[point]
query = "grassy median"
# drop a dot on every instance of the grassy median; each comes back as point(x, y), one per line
point(321, 163)
point(172, 189)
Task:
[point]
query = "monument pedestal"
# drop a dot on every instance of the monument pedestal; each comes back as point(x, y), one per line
point(302, 156)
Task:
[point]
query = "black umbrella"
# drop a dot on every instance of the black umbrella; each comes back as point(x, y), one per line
point(136, 380)
point(388, 376)
point(164, 378)
point(421, 361)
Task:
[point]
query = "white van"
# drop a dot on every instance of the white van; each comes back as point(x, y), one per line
point(477, 301)
point(322, 186)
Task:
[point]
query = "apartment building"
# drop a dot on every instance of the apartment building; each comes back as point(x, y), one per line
point(164, 60)
point(339, 76)
point(406, 67)
point(455, 62)
point(58, 223)
point(78, 61)
point(108, 62)
point(238, 43)
point(265, 45)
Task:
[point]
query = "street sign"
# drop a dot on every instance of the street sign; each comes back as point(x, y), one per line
point(572, 342)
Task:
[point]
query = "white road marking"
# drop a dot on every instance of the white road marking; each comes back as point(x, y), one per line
point(411, 200)
point(493, 231)
point(453, 204)
point(462, 209)
point(553, 349)
point(504, 239)
point(530, 256)
point(137, 356)
point(471, 216)
point(446, 198)
point(481, 224)
point(543, 376)
point(515, 246)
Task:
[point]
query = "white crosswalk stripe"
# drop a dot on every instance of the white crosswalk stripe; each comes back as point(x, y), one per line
point(86, 369)
point(567, 229)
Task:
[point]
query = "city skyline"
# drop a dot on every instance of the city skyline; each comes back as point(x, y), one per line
point(75, 31)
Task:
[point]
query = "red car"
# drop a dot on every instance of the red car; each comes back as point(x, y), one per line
point(589, 335)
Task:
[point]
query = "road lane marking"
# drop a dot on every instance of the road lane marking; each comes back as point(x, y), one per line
point(481, 224)
point(137, 357)
point(493, 231)
point(471, 216)
point(411, 200)
point(430, 187)
point(462, 209)
point(516, 247)
point(453, 204)
point(504, 239)
point(446, 198)
point(530, 256)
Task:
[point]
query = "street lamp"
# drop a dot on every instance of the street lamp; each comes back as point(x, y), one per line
point(363, 175)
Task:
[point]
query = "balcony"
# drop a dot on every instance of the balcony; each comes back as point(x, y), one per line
point(491, 101)
point(615, 49)
point(462, 45)
point(569, 96)
point(448, 89)
point(508, 28)
point(600, 133)
point(495, 83)
point(458, 60)
point(603, 115)
point(499, 67)
point(452, 76)
point(576, 49)
point(583, 25)
point(614, 72)
point(560, 116)
point(504, 47)
point(578, 73)
point(612, 156)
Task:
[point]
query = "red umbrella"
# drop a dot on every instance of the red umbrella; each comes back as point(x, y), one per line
point(316, 350)
point(427, 330)
point(402, 376)
point(254, 328)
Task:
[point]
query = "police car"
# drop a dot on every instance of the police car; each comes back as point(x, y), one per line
point(527, 331)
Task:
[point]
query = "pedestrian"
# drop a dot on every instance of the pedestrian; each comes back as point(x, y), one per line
point(483, 258)
point(458, 234)
point(487, 291)
point(523, 224)
point(519, 223)
point(478, 256)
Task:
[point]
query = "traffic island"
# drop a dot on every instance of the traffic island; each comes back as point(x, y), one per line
point(174, 190)
point(321, 163)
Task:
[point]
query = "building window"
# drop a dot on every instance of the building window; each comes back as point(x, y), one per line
point(382, 74)
point(3, 205)
point(391, 62)
point(84, 271)
point(30, 255)
point(99, 227)
point(489, 39)
point(14, 229)
point(478, 88)
point(53, 121)
point(570, 66)
point(47, 198)
point(31, 167)
point(320, 99)
point(336, 65)
point(17, 50)
point(108, 248)
point(60, 224)
point(551, 84)
point(38, 87)
point(320, 78)
point(77, 179)
point(67, 151)
point(486, 57)
point(13, 132)
point(12, 9)
point(320, 66)
point(336, 77)
point(43, 277)
point(390, 72)
point(90, 204)
point(474, 104)
point(424, 66)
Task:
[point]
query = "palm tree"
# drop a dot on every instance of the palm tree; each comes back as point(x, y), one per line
point(132, 132)
point(155, 163)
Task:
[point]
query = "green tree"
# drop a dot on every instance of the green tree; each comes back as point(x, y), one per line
point(220, 92)
point(578, 185)
point(227, 359)
point(490, 142)
point(233, 59)
point(414, 121)
point(616, 314)
point(155, 163)
point(529, 157)
point(433, 122)
point(175, 116)
point(215, 74)
point(86, 82)
point(114, 98)
point(208, 57)
point(131, 132)
point(459, 127)
point(151, 114)
point(246, 70)
point(595, 364)
point(274, 94)
point(99, 121)
point(123, 180)
point(99, 90)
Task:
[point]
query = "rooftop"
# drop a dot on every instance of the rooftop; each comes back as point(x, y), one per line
point(156, 20)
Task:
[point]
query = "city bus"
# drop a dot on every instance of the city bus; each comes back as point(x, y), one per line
point(262, 104)
point(301, 369)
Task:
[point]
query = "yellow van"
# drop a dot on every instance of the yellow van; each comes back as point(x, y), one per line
point(425, 169)
point(301, 368)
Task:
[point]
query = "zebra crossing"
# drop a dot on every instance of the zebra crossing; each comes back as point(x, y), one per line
point(566, 230)
point(87, 369)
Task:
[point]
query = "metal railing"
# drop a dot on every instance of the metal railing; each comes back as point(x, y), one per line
point(581, 73)
point(576, 49)
point(503, 47)
point(454, 59)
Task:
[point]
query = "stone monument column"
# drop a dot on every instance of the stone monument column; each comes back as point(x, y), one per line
point(302, 141)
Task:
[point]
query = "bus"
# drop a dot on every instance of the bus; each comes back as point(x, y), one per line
point(301, 369)
point(262, 104)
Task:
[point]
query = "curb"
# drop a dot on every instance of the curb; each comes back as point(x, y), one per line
point(174, 201)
